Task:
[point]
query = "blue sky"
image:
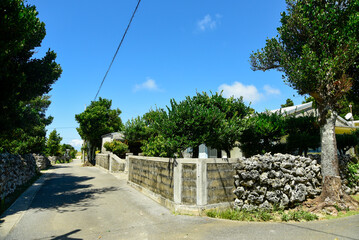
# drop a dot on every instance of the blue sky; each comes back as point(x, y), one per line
point(172, 50)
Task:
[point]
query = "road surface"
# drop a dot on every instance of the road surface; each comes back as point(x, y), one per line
point(74, 202)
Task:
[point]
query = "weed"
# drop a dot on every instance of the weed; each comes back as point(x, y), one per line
point(285, 217)
point(262, 215)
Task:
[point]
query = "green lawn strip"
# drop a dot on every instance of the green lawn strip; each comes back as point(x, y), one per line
point(262, 215)
point(276, 215)
point(11, 198)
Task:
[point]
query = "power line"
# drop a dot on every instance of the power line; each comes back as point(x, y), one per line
point(118, 48)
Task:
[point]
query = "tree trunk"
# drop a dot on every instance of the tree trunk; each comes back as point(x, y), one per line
point(329, 154)
point(90, 153)
point(332, 198)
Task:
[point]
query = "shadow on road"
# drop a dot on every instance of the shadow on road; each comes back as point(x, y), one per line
point(63, 193)
point(67, 193)
point(66, 236)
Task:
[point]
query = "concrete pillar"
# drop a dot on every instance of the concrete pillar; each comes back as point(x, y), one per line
point(177, 184)
point(127, 165)
point(201, 182)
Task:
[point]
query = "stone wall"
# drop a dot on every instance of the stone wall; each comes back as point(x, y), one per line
point(42, 162)
point(189, 183)
point(102, 160)
point(263, 181)
point(15, 171)
point(220, 182)
point(156, 176)
point(184, 183)
point(111, 162)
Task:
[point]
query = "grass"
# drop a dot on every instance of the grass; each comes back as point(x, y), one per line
point(11, 198)
point(356, 197)
point(276, 215)
point(344, 213)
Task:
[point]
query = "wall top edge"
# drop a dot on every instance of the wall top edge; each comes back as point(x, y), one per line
point(188, 160)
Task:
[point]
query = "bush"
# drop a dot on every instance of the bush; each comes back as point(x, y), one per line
point(159, 147)
point(353, 173)
point(262, 215)
point(116, 147)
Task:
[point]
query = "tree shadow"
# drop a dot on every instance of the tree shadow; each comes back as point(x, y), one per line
point(66, 236)
point(62, 193)
point(67, 193)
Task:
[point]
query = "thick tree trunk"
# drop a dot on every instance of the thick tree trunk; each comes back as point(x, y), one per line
point(332, 198)
point(329, 155)
point(90, 153)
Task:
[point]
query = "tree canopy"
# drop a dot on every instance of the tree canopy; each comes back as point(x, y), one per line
point(98, 119)
point(317, 48)
point(53, 144)
point(288, 103)
point(24, 79)
point(22, 76)
point(210, 119)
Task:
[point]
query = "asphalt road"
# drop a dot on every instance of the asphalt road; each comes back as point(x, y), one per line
point(74, 202)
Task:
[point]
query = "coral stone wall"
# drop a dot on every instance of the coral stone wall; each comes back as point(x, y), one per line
point(264, 181)
point(15, 170)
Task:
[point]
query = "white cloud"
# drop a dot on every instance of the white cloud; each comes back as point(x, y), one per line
point(248, 92)
point(207, 22)
point(271, 91)
point(149, 85)
point(76, 142)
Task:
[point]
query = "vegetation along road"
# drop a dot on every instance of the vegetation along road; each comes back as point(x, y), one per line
point(75, 202)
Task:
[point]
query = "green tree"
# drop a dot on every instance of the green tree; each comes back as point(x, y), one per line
point(53, 145)
point(116, 147)
point(262, 134)
point(98, 119)
point(23, 78)
point(303, 134)
point(317, 48)
point(31, 137)
point(288, 103)
point(212, 120)
point(72, 151)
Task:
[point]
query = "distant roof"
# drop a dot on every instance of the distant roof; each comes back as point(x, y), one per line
point(293, 109)
point(297, 109)
point(114, 135)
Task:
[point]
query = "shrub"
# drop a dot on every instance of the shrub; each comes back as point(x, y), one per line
point(353, 173)
point(116, 147)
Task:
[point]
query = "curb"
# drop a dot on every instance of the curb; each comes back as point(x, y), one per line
point(17, 210)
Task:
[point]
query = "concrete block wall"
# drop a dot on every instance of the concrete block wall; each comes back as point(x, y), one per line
point(185, 182)
point(220, 182)
point(102, 160)
point(156, 176)
point(111, 162)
